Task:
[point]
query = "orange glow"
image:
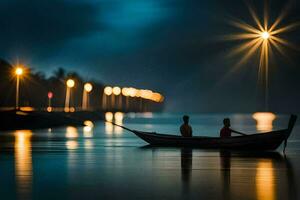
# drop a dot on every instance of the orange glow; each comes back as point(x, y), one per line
point(88, 123)
point(146, 94)
point(109, 116)
point(265, 35)
point(19, 71)
point(132, 92)
point(23, 161)
point(49, 109)
point(70, 83)
point(27, 109)
point(71, 132)
point(88, 87)
point(119, 117)
point(88, 129)
point(264, 120)
point(116, 91)
point(72, 145)
point(265, 185)
point(108, 91)
point(125, 92)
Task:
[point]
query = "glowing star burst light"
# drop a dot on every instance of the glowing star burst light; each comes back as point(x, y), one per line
point(261, 38)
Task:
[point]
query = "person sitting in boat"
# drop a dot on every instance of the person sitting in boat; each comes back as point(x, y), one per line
point(226, 130)
point(185, 128)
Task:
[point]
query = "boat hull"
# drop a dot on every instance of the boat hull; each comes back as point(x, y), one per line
point(261, 141)
point(251, 142)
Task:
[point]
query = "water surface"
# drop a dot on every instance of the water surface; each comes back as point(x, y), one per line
point(103, 161)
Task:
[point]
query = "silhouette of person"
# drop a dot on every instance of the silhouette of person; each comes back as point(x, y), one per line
point(226, 130)
point(185, 128)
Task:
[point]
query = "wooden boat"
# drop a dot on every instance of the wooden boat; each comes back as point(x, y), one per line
point(254, 142)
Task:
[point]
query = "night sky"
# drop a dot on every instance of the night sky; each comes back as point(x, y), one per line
point(171, 46)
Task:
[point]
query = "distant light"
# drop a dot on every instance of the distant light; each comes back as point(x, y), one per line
point(19, 71)
point(27, 109)
point(49, 109)
point(116, 91)
point(88, 123)
point(88, 87)
point(265, 35)
point(264, 120)
point(125, 92)
point(146, 94)
point(108, 90)
point(132, 92)
point(50, 95)
point(70, 83)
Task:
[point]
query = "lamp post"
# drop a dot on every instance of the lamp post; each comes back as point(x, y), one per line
point(87, 88)
point(106, 93)
point(50, 96)
point(18, 72)
point(116, 92)
point(125, 93)
point(70, 84)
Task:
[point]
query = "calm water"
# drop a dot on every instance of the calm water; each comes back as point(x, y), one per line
point(106, 162)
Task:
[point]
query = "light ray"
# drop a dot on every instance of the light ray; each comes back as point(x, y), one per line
point(255, 18)
point(244, 26)
point(261, 37)
point(241, 36)
point(284, 29)
point(251, 51)
point(243, 47)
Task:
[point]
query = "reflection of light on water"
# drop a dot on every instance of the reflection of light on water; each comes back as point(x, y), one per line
point(88, 129)
point(88, 144)
point(116, 118)
point(72, 144)
point(118, 130)
point(109, 128)
point(119, 118)
point(88, 123)
point(148, 115)
point(109, 116)
point(71, 132)
point(264, 120)
point(265, 181)
point(23, 162)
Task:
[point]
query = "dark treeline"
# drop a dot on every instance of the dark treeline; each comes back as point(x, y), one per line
point(34, 88)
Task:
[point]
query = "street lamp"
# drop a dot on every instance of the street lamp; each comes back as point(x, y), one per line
point(87, 88)
point(70, 84)
point(18, 71)
point(116, 92)
point(50, 96)
point(105, 98)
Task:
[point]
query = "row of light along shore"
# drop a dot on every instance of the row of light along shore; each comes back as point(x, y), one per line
point(113, 98)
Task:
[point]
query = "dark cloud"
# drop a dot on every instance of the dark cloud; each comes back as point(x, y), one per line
point(172, 46)
point(41, 26)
